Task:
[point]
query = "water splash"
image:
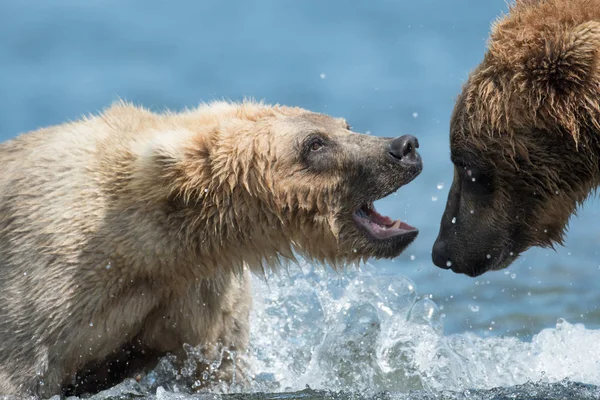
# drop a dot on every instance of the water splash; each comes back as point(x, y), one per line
point(353, 321)
point(369, 333)
point(361, 334)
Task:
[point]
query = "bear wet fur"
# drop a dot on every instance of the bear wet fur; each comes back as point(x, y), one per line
point(524, 136)
point(126, 235)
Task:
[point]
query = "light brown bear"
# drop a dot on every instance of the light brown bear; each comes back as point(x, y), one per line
point(524, 137)
point(125, 236)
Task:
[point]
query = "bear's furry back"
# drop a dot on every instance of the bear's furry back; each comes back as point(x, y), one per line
point(87, 244)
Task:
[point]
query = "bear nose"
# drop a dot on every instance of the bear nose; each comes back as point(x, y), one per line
point(404, 147)
point(439, 254)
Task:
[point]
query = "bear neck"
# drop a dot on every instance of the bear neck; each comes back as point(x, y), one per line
point(226, 232)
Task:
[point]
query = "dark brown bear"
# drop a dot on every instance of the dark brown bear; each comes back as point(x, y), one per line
point(524, 136)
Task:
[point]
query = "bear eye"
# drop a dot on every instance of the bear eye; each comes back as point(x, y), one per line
point(315, 144)
point(477, 180)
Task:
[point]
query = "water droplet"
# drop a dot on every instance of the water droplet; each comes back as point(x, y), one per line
point(513, 276)
point(91, 324)
point(448, 263)
point(488, 256)
point(472, 211)
point(473, 179)
point(322, 75)
point(205, 190)
point(473, 308)
point(25, 273)
point(434, 198)
point(415, 114)
point(426, 312)
point(440, 185)
point(454, 220)
point(412, 257)
point(108, 266)
point(511, 254)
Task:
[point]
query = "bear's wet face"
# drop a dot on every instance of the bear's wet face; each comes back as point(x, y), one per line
point(509, 193)
point(470, 217)
point(338, 174)
point(481, 222)
point(524, 136)
point(381, 235)
point(278, 181)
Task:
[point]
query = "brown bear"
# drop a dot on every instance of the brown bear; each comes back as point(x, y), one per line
point(524, 136)
point(126, 235)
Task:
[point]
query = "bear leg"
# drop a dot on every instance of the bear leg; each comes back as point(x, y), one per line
point(212, 318)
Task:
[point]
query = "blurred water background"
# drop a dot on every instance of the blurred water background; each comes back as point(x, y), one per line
point(388, 67)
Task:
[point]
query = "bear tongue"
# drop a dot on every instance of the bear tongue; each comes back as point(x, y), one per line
point(387, 231)
point(380, 226)
point(387, 222)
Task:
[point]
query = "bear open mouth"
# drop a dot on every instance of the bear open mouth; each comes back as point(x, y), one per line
point(380, 226)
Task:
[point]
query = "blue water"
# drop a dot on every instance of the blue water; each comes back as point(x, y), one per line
point(388, 67)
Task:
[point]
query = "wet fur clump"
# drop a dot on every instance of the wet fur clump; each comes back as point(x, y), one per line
point(524, 136)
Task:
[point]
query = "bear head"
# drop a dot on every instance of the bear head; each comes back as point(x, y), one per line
point(255, 184)
point(524, 136)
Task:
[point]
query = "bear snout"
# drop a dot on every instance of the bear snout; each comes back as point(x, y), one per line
point(439, 254)
point(404, 148)
point(403, 154)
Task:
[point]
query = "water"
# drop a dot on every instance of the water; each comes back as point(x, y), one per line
point(389, 67)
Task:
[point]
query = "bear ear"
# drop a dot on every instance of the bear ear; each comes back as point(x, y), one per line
point(171, 163)
point(564, 61)
point(165, 150)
